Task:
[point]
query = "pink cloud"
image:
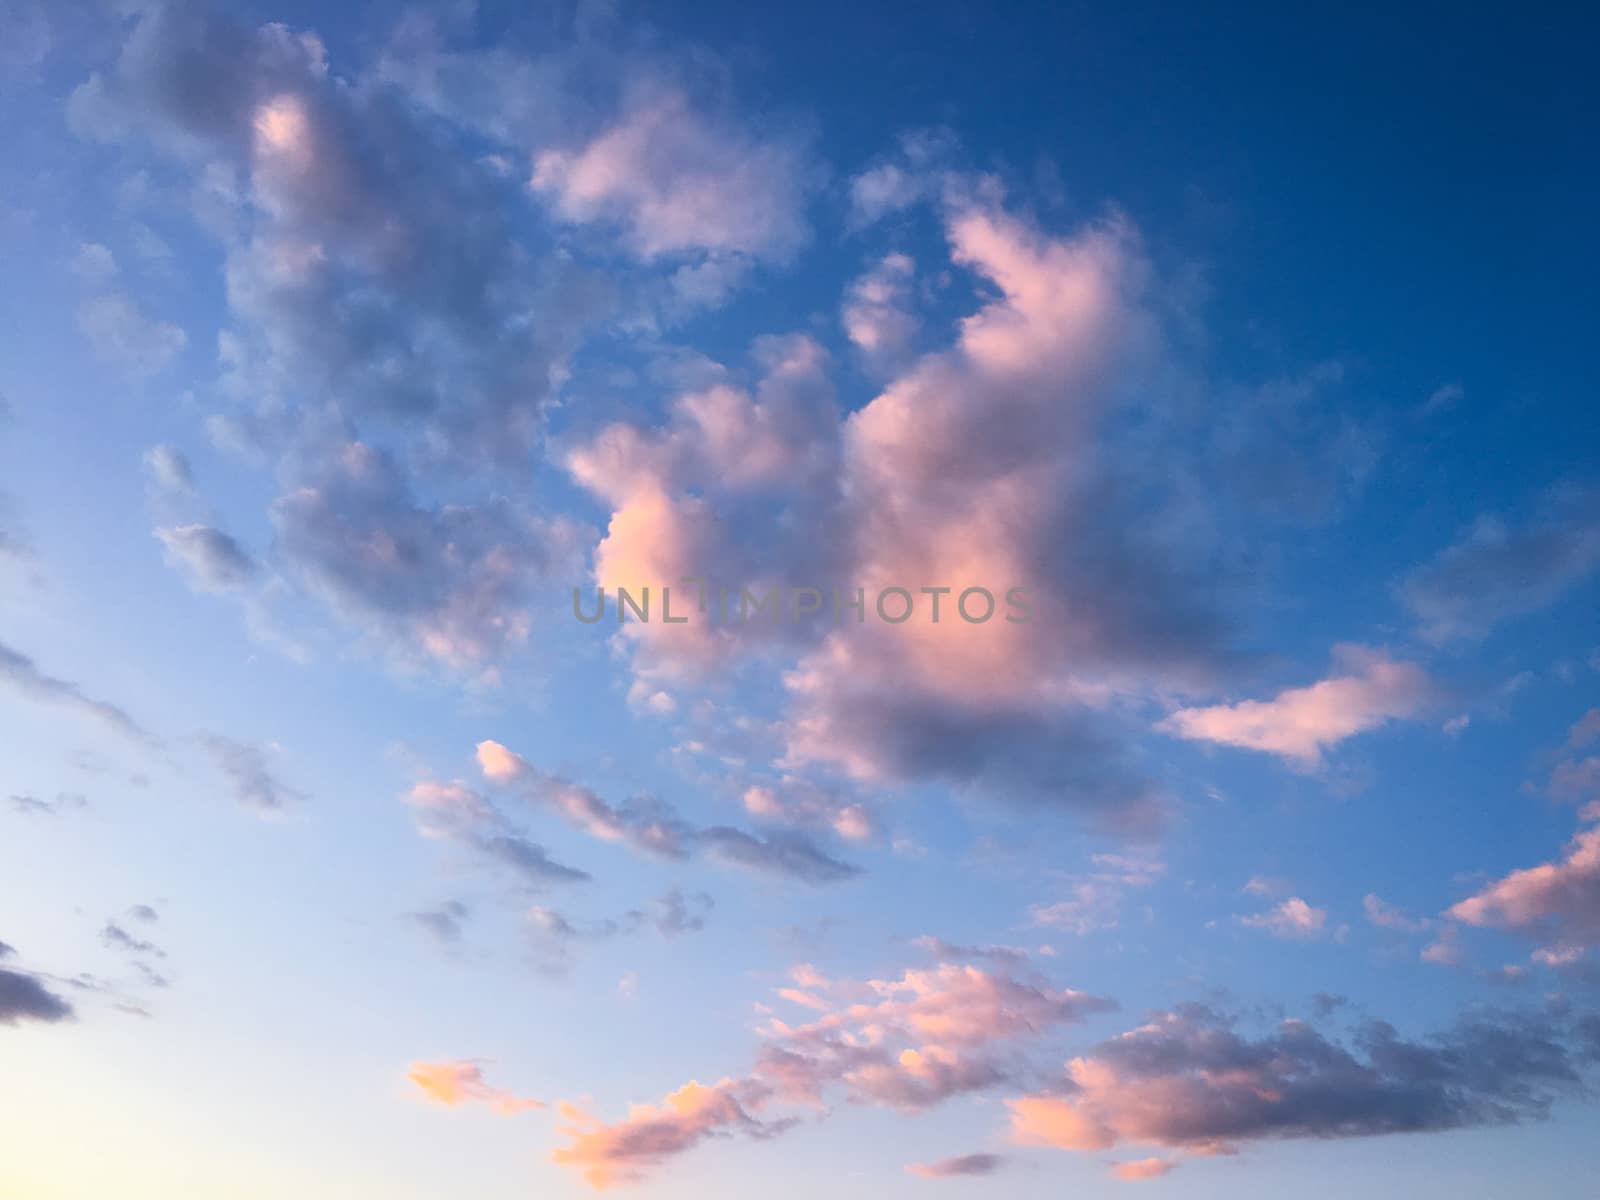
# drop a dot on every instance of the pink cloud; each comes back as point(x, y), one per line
point(462, 1082)
point(1557, 902)
point(1300, 723)
point(624, 1151)
point(678, 181)
point(1144, 1168)
point(1293, 919)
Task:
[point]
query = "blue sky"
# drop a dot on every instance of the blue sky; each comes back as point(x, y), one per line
point(339, 348)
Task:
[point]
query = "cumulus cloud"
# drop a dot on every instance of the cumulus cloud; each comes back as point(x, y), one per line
point(1299, 724)
point(19, 672)
point(1190, 1080)
point(462, 1082)
point(248, 769)
point(212, 558)
point(1499, 569)
point(957, 1167)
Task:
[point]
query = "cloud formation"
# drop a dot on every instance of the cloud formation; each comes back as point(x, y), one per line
point(1498, 569)
point(1189, 1080)
point(652, 827)
point(1300, 724)
point(960, 1166)
point(18, 672)
point(1557, 903)
point(462, 1082)
point(247, 768)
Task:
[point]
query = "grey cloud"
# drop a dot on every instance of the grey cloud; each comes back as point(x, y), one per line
point(63, 802)
point(530, 860)
point(652, 826)
point(169, 468)
point(452, 579)
point(19, 672)
point(24, 998)
point(1219, 1087)
point(118, 938)
point(1497, 570)
point(255, 785)
point(779, 853)
point(444, 924)
point(212, 558)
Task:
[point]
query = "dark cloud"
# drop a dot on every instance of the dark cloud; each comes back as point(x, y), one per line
point(1189, 1078)
point(246, 767)
point(24, 998)
point(19, 672)
point(1498, 569)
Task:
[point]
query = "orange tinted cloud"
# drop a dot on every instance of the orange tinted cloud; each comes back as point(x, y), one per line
point(462, 1082)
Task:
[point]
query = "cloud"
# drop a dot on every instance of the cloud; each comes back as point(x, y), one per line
point(1093, 900)
point(877, 312)
point(24, 998)
point(1299, 724)
point(170, 469)
point(618, 1153)
point(462, 1082)
point(654, 828)
point(454, 812)
point(444, 924)
point(957, 1167)
point(913, 1041)
point(121, 332)
point(18, 671)
point(1386, 916)
point(118, 938)
point(907, 1042)
point(676, 181)
point(1189, 1080)
point(63, 802)
point(214, 561)
point(1497, 569)
point(453, 580)
point(1143, 1168)
point(247, 768)
point(1557, 903)
point(1294, 919)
